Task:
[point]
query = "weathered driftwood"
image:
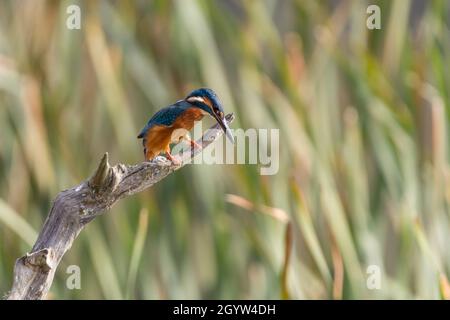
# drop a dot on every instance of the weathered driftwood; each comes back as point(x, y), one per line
point(74, 208)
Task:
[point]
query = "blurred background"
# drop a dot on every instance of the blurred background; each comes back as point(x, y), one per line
point(364, 170)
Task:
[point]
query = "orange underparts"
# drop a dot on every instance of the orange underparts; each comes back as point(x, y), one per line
point(159, 137)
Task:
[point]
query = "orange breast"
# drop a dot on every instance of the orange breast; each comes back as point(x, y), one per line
point(187, 119)
point(159, 137)
point(157, 140)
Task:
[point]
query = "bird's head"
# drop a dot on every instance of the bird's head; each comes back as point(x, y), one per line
point(207, 100)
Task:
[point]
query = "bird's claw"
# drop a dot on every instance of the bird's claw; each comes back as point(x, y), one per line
point(176, 162)
point(174, 159)
point(195, 145)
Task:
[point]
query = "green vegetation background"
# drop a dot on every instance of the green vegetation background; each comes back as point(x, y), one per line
point(364, 170)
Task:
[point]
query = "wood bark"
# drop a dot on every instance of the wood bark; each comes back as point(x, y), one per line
point(74, 208)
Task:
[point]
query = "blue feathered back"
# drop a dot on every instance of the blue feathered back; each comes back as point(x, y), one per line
point(166, 116)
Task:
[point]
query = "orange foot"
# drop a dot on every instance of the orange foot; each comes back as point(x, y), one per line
point(194, 144)
point(174, 160)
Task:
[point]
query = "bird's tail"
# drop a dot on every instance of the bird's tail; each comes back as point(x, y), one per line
point(144, 144)
point(143, 132)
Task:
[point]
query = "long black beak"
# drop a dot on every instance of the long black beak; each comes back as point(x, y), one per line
point(224, 125)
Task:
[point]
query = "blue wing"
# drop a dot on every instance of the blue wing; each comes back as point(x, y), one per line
point(166, 116)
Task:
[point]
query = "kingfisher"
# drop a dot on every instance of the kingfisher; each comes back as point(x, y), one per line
point(173, 123)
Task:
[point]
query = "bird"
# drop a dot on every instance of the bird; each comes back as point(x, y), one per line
point(171, 124)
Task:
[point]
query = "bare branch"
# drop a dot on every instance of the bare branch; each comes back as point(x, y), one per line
point(74, 208)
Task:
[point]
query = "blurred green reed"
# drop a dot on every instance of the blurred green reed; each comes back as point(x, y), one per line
point(364, 173)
